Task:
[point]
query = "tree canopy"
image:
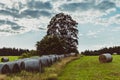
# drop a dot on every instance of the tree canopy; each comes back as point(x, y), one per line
point(12, 51)
point(61, 36)
point(50, 45)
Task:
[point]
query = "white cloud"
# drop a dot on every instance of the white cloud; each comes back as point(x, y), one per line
point(111, 10)
point(92, 34)
point(14, 11)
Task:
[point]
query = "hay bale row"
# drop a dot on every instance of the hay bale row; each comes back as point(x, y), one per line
point(30, 64)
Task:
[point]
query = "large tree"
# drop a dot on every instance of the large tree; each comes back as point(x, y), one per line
point(65, 28)
point(61, 36)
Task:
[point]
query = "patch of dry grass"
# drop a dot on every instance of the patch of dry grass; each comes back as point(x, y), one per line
point(2, 77)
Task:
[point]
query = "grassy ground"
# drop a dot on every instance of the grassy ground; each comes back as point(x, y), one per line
point(89, 68)
point(51, 73)
point(11, 58)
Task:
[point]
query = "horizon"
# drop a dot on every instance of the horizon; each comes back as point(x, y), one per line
point(24, 22)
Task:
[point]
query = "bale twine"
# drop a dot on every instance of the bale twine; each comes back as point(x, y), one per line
point(4, 68)
point(4, 59)
point(104, 58)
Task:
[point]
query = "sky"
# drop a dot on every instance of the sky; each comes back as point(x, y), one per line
point(24, 22)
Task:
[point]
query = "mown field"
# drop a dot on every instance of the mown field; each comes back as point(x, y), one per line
point(11, 58)
point(89, 68)
point(50, 73)
point(84, 68)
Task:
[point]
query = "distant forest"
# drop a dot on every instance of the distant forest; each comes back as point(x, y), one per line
point(12, 51)
point(111, 50)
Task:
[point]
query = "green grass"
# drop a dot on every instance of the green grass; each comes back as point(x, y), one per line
point(11, 58)
point(89, 68)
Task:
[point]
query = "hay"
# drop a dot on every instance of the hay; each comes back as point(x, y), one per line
point(53, 58)
point(104, 58)
point(14, 67)
point(41, 64)
point(4, 68)
point(21, 64)
point(45, 60)
point(4, 59)
point(33, 65)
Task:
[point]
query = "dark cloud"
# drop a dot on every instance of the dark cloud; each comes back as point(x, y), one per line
point(45, 13)
point(105, 5)
point(5, 30)
point(35, 9)
point(118, 17)
point(26, 13)
point(2, 5)
point(76, 6)
point(14, 26)
point(39, 5)
point(31, 13)
point(83, 6)
point(11, 12)
point(2, 22)
point(35, 13)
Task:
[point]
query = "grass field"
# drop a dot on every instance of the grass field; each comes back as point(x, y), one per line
point(11, 58)
point(89, 68)
point(51, 73)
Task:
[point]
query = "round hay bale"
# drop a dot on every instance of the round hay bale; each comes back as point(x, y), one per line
point(104, 58)
point(62, 56)
point(33, 65)
point(4, 68)
point(46, 61)
point(14, 67)
point(4, 59)
point(58, 57)
point(53, 58)
point(41, 64)
point(21, 64)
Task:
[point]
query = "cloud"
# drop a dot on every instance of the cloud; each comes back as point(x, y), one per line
point(83, 6)
point(35, 13)
point(39, 5)
point(92, 34)
point(23, 16)
point(117, 2)
point(27, 15)
point(105, 5)
point(9, 27)
point(91, 11)
point(76, 6)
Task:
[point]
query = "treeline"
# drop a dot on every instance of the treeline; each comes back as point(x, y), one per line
point(12, 51)
point(111, 50)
